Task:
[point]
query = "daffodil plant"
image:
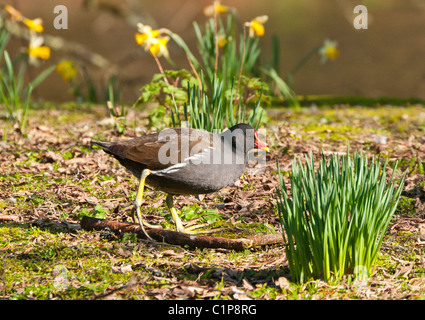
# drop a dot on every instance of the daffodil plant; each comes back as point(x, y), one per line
point(67, 70)
point(233, 64)
point(214, 113)
point(83, 86)
point(335, 220)
point(222, 56)
point(230, 53)
point(36, 50)
point(328, 50)
point(230, 60)
point(14, 93)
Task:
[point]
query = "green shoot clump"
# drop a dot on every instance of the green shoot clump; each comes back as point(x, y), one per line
point(335, 221)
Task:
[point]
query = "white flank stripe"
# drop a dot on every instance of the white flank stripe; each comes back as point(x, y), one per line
point(172, 169)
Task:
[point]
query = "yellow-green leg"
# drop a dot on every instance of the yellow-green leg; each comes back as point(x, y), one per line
point(175, 216)
point(178, 222)
point(138, 203)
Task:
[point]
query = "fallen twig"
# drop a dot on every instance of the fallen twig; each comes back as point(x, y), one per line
point(6, 217)
point(178, 238)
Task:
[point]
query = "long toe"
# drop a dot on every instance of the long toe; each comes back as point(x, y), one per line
point(191, 230)
point(152, 226)
point(141, 222)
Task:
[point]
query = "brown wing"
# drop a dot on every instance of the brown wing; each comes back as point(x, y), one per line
point(162, 149)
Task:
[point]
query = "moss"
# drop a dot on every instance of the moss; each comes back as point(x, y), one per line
point(406, 206)
point(36, 257)
point(333, 132)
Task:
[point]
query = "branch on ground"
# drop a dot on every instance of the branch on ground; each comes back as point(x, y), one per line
point(178, 238)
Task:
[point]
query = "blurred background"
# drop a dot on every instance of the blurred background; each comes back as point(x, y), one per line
point(387, 59)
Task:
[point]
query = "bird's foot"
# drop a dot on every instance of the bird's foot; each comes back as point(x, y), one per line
point(192, 230)
point(178, 222)
point(146, 224)
point(152, 226)
point(141, 222)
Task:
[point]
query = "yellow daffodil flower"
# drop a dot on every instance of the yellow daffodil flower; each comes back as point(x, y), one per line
point(256, 26)
point(35, 24)
point(66, 70)
point(217, 7)
point(145, 35)
point(159, 47)
point(222, 40)
point(42, 52)
point(151, 40)
point(13, 12)
point(328, 51)
point(37, 50)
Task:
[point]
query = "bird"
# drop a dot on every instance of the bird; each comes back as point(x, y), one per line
point(184, 161)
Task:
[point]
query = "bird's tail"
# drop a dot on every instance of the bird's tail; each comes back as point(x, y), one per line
point(104, 145)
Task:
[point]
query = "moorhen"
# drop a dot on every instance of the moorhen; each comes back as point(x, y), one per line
point(184, 161)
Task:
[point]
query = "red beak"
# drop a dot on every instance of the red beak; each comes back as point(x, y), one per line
point(260, 144)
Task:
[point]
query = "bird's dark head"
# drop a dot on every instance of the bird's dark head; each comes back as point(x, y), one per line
point(250, 135)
